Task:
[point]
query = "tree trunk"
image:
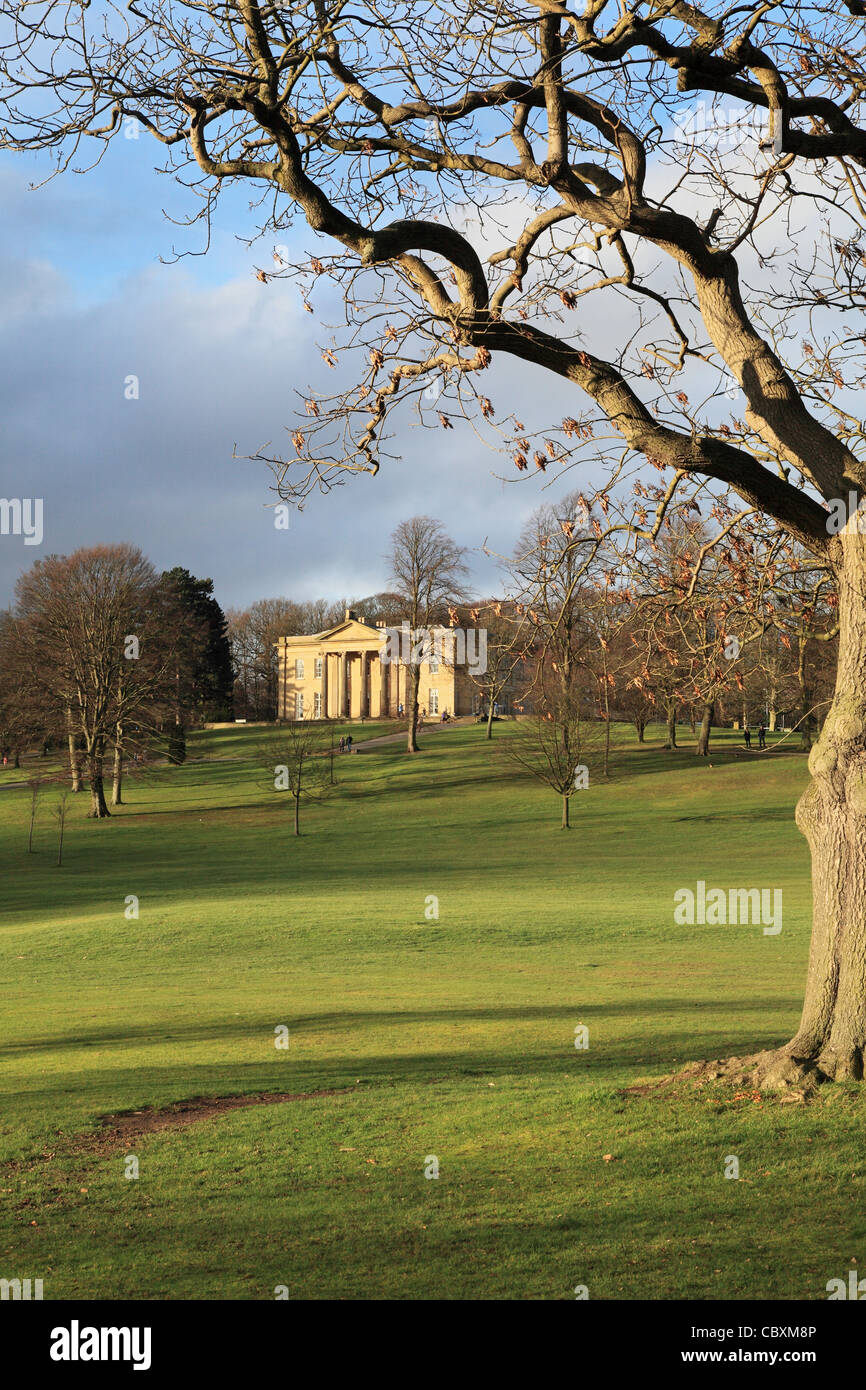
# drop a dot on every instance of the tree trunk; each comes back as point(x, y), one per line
point(74, 763)
point(672, 726)
point(297, 813)
point(98, 808)
point(117, 780)
point(414, 683)
point(703, 746)
point(805, 700)
point(490, 720)
point(565, 821)
point(831, 813)
point(640, 725)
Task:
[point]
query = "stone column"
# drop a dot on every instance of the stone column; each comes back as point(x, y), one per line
point(324, 685)
point(376, 687)
point(341, 693)
point(364, 709)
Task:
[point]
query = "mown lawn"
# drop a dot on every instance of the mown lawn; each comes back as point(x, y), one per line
point(449, 1037)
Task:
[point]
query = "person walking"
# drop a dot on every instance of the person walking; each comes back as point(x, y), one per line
point(348, 743)
point(762, 740)
point(342, 743)
point(747, 736)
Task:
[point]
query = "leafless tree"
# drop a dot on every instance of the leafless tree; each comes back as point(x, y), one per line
point(552, 745)
point(60, 817)
point(35, 783)
point(429, 573)
point(87, 631)
point(299, 763)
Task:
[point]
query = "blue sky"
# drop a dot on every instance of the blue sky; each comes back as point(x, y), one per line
point(85, 302)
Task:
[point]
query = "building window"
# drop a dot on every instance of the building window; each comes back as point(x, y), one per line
point(433, 665)
point(299, 669)
point(317, 670)
point(299, 705)
point(317, 705)
point(433, 702)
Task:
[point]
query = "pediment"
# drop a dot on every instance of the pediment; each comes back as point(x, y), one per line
point(348, 631)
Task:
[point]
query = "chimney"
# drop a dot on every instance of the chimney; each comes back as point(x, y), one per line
point(351, 615)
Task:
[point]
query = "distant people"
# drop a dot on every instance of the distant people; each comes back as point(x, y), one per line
point(747, 736)
point(342, 743)
point(762, 739)
point(348, 743)
point(400, 711)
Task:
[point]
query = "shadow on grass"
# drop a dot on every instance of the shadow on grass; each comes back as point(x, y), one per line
point(263, 1026)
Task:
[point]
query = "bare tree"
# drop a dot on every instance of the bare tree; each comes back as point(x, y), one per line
point(569, 122)
point(300, 763)
point(552, 744)
point(60, 817)
point(35, 784)
point(507, 639)
point(87, 631)
point(429, 572)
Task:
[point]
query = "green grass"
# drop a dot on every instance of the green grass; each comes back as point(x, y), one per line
point(452, 1037)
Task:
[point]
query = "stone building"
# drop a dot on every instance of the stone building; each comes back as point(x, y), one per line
point(357, 670)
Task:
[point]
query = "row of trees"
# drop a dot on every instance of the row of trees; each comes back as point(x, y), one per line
point(103, 654)
point(687, 628)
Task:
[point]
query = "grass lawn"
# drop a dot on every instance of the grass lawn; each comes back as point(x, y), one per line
point(449, 1037)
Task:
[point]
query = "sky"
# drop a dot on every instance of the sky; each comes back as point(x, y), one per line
point(91, 295)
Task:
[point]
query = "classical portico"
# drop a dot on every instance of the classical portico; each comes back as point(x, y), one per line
point(352, 671)
point(339, 674)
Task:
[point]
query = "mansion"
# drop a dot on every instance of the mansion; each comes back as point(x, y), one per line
point(358, 671)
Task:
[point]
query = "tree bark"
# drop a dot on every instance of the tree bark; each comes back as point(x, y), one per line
point(412, 701)
point(490, 719)
point(773, 713)
point(565, 820)
point(117, 779)
point(98, 808)
point(703, 746)
point(297, 813)
point(805, 700)
point(672, 726)
point(831, 1040)
point(74, 763)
